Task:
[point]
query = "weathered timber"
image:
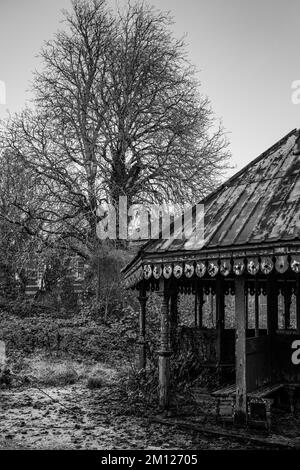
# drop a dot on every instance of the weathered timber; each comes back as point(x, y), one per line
point(142, 327)
point(256, 306)
point(173, 319)
point(220, 316)
point(298, 304)
point(240, 415)
point(165, 348)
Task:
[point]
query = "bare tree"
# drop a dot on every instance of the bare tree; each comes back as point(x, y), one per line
point(117, 111)
point(17, 229)
point(158, 128)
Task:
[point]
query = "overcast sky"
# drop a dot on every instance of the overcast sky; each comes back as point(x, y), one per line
point(247, 52)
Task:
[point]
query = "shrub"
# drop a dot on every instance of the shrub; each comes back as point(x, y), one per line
point(95, 382)
point(58, 375)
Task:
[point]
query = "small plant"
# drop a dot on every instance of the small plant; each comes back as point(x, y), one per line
point(58, 376)
point(5, 378)
point(95, 382)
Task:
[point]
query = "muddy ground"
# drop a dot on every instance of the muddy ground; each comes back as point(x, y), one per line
point(40, 416)
point(74, 417)
point(44, 414)
point(82, 419)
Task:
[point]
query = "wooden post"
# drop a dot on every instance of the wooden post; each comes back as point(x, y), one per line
point(240, 416)
point(287, 306)
point(298, 304)
point(173, 319)
point(256, 307)
point(165, 350)
point(200, 306)
point(142, 333)
point(272, 305)
point(196, 308)
point(247, 308)
point(272, 321)
point(220, 316)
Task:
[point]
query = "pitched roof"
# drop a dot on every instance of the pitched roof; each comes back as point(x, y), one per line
point(258, 205)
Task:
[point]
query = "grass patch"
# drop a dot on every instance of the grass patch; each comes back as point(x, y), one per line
point(59, 376)
point(57, 372)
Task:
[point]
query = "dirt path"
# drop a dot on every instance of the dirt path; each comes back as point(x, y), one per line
point(31, 420)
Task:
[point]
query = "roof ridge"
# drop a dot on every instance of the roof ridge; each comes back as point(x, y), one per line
point(214, 193)
point(246, 167)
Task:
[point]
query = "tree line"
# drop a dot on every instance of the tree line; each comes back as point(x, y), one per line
point(116, 110)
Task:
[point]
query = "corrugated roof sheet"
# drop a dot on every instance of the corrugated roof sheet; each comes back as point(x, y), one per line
point(260, 204)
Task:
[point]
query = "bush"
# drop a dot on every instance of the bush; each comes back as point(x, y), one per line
point(5, 378)
point(9, 287)
point(95, 382)
point(59, 377)
point(74, 337)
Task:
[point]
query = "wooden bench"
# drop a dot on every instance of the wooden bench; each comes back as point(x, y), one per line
point(291, 389)
point(225, 402)
point(259, 404)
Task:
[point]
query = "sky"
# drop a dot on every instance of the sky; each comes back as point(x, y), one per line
point(246, 51)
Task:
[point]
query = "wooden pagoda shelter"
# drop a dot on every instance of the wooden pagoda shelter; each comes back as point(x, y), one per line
point(250, 249)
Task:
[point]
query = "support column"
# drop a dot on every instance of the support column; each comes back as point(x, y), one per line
point(240, 352)
point(173, 319)
point(142, 333)
point(272, 322)
point(200, 306)
point(220, 316)
point(164, 352)
point(287, 306)
point(247, 308)
point(196, 308)
point(298, 304)
point(272, 305)
point(256, 307)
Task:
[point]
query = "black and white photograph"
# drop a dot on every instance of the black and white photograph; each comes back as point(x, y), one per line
point(149, 229)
